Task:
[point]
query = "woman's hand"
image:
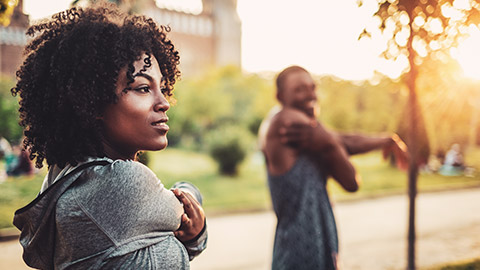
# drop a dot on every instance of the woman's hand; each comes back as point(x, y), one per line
point(193, 220)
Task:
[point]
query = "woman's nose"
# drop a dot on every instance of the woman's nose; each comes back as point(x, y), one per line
point(161, 103)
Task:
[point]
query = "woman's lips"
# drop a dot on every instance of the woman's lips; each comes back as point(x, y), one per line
point(162, 125)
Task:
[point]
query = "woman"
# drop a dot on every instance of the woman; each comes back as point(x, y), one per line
point(94, 91)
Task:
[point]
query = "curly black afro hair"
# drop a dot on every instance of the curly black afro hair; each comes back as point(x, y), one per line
point(70, 74)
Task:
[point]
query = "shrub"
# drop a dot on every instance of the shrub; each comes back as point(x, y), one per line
point(9, 127)
point(228, 146)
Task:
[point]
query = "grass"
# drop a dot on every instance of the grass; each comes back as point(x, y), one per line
point(16, 192)
point(380, 179)
point(466, 265)
point(247, 191)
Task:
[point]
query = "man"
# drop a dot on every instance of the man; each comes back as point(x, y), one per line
point(300, 154)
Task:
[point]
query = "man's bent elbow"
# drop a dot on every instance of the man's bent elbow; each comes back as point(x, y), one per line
point(352, 185)
point(351, 188)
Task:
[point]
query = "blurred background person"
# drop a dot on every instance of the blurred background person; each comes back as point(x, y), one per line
point(453, 163)
point(300, 155)
point(5, 152)
point(18, 162)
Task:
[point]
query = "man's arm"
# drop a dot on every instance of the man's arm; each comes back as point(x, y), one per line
point(310, 136)
point(327, 148)
point(358, 144)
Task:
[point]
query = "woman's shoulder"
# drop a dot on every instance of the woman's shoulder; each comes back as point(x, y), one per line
point(126, 166)
point(119, 179)
point(131, 171)
point(122, 173)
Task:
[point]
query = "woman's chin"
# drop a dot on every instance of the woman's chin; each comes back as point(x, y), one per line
point(163, 145)
point(158, 146)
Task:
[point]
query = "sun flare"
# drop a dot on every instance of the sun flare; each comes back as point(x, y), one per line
point(468, 54)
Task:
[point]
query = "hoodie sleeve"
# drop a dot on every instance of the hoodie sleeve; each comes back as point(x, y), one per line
point(126, 200)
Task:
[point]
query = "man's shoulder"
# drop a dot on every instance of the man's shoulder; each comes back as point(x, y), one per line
point(288, 116)
point(281, 156)
point(283, 119)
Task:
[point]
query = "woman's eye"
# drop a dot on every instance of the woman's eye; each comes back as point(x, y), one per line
point(144, 89)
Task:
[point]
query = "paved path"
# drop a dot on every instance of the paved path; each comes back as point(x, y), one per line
point(372, 235)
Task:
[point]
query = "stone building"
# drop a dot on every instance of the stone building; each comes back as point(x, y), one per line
point(211, 38)
point(12, 41)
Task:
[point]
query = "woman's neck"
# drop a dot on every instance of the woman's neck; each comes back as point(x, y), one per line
point(111, 152)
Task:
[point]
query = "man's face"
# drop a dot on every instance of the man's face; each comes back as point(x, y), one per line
point(299, 92)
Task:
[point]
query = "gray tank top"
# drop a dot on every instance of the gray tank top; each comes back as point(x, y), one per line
point(306, 234)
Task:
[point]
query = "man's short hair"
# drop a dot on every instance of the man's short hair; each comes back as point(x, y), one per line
point(282, 76)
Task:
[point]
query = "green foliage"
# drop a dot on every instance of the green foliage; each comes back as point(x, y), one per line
point(228, 146)
point(9, 127)
point(367, 108)
point(222, 96)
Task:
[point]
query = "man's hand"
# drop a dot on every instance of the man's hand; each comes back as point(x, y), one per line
point(297, 134)
point(399, 150)
point(310, 136)
point(193, 220)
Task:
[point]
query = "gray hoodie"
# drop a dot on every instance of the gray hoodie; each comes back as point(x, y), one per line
point(105, 214)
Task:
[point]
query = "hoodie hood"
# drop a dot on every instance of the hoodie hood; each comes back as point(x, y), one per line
point(36, 221)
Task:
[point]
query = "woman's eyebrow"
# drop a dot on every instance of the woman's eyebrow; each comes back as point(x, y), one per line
point(146, 76)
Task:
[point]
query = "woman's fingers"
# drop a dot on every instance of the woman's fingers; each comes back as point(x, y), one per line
point(192, 220)
point(179, 234)
point(190, 205)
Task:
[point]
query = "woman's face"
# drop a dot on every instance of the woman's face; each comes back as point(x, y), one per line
point(138, 121)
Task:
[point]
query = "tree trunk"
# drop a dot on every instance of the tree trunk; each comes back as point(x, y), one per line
point(472, 138)
point(413, 149)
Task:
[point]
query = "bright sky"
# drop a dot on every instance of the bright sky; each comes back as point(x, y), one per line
point(319, 35)
point(467, 54)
